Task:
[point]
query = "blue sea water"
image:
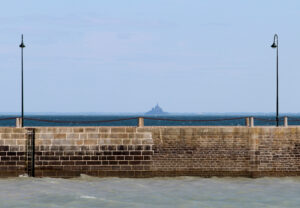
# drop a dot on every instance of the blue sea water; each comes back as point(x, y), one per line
point(179, 120)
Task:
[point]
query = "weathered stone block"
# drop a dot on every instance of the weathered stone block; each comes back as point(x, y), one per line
point(104, 130)
point(6, 130)
point(60, 136)
point(90, 130)
point(72, 136)
point(93, 136)
point(5, 136)
point(78, 129)
point(90, 142)
point(10, 142)
point(118, 130)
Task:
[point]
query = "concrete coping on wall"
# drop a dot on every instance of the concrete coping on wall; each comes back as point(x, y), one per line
point(249, 122)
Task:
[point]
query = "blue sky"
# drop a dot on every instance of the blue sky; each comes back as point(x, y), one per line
point(125, 56)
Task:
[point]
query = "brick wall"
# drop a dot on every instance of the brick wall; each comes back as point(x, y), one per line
point(153, 151)
point(277, 152)
point(201, 151)
point(12, 152)
point(99, 151)
point(226, 151)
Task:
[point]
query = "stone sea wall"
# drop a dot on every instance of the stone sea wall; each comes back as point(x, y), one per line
point(150, 151)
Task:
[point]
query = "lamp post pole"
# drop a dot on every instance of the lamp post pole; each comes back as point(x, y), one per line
point(22, 84)
point(275, 45)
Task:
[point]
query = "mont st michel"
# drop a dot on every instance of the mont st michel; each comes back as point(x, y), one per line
point(157, 110)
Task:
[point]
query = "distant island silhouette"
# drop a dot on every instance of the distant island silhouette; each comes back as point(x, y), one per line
point(157, 110)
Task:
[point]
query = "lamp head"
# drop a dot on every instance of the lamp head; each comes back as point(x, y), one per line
point(275, 42)
point(274, 45)
point(22, 43)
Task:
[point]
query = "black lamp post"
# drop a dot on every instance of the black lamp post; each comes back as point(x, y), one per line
point(275, 45)
point(22, 89)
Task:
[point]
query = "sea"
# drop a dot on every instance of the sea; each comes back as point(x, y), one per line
point(150, 120)
point(181, 192)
